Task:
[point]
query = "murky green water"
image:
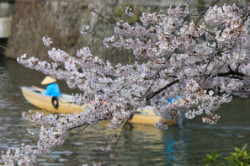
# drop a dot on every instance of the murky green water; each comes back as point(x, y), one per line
point(140, 144)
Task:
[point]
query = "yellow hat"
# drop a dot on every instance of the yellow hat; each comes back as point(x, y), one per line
point(48, 80)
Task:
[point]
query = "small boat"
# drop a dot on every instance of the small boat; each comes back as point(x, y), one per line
point(65, 105)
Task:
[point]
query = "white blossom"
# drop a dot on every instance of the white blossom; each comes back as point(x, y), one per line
point(84, 29)
point(129, 11)
point(47, 41)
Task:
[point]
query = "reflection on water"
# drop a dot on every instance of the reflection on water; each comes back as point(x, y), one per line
point(176, 146)
point(140, 144)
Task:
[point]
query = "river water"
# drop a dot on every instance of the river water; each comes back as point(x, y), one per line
point(139, 145)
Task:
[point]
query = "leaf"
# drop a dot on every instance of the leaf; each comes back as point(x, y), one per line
point(237, 149)
point(244, 148)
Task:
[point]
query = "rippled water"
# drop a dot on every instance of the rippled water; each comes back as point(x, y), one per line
point(139, 145)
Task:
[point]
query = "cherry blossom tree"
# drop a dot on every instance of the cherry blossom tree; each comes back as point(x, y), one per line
point(204, 61)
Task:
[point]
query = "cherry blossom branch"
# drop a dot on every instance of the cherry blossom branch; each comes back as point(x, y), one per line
point(84, 127)
point(175, 55)
point(150, 96)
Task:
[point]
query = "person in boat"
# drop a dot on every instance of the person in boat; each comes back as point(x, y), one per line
point(180, 119)
point(172, 99)
point(52, 88)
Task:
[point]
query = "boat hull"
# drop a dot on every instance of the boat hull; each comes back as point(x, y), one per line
point(35, 96)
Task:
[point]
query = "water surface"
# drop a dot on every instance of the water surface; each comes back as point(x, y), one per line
point(139, 145)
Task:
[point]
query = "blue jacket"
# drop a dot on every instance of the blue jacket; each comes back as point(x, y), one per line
point(171, 100)
point(53, 90)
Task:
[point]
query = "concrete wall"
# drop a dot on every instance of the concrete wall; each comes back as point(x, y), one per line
point(6, 11)
point(5, 27)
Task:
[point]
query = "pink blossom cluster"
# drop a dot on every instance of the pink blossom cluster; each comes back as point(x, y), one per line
point(202, 63)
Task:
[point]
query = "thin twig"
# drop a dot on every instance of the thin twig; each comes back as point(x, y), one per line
point(77, 132)
point(202, 13)
point(92, 10)
point(116, 143)
point(120, 135)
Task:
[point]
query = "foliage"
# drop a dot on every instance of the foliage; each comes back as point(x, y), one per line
point(211, 158)
point(241, 157)
point(118, 11)
point(203, 62)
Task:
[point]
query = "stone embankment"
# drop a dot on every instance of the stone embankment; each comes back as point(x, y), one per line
point(62, 21)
